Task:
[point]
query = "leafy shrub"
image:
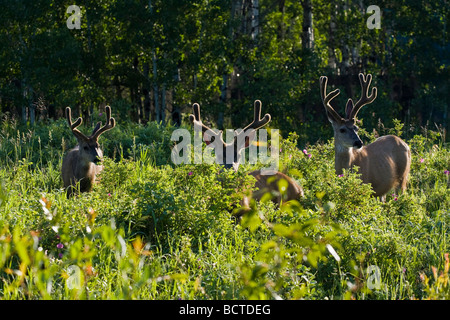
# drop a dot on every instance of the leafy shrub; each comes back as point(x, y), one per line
point(153, 230)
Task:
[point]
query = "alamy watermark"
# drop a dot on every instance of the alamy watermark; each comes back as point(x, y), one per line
point(374, 21)
point(228, 153)
point(374, 277)
point(74, 21)
point(74, 280)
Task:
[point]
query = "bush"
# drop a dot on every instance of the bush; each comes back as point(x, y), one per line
point(153, 230)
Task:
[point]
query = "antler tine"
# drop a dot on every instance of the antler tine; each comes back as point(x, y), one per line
point(257, 121)
point(326, 98)
point(195, 118)
point(73, 126)
point(110, 123)
point(365, 98)
point(69, 119)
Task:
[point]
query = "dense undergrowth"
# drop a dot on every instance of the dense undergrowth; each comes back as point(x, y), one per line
point(152, 230)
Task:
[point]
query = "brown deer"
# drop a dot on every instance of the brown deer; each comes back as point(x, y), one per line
point(384, 163)
point(265, 181)
point(82, 163)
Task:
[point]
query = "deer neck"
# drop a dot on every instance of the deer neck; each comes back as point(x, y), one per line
point(83, 168)
point(344, 158)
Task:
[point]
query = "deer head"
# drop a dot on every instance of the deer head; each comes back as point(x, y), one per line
point(345, 129)
point(240, 141)
point(264, 183)
point(89, 149)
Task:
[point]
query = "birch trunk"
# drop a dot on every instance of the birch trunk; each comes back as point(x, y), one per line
point(308, 31)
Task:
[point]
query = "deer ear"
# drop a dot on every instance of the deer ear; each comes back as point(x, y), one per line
point(348, 108)
point(97, 126)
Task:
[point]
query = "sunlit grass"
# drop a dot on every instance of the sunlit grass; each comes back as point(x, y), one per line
point(150, 230)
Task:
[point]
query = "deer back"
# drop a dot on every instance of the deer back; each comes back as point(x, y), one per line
point(385, 164)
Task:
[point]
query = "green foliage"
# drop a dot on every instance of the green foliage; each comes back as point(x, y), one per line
point(224, 54)
point(438, 289)
point(153, 230)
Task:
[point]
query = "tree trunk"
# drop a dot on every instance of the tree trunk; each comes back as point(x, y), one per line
point(255, 20)
point(146, 92)
point(281, 9)
point(308, 31)
point(163, 104)
point(158, 115)
point(332, 59)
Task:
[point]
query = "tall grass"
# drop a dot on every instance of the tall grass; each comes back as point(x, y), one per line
point(152, 230)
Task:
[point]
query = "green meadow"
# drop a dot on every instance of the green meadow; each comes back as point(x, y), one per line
point(153, 230)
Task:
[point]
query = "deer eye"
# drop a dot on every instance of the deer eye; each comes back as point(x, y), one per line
point(342, 130)
point(86, 148)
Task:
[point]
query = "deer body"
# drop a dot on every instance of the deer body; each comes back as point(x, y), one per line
point(82, 163)
point(267, 182)
point(80, 169)
point(385, 163)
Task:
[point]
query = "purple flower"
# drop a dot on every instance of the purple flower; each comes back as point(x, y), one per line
point(60, 255)
point(446, 172)
point(422, 160)
point(109, 194)
point(305, 151)
point(190, 173)
point(60, 246)
point(340, 176)
point(309, 155)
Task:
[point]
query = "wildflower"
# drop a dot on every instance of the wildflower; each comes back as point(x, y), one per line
point(341, 175)
point(395, 197)
point(109, 194)
point(190, 173)
point(309, 155)
point(422, 160)
point(434, 272)
point(60, 246)
point(305, 151)
point(447, 172)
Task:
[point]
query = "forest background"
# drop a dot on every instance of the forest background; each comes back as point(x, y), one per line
point(150, 60)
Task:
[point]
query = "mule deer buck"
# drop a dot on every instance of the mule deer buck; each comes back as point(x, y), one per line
point(384, 163)
point(81, 164)
point(264, 182)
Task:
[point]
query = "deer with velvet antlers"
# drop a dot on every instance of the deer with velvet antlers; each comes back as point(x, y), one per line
point(384, 163)
point(265, 181)
point(82, 163)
